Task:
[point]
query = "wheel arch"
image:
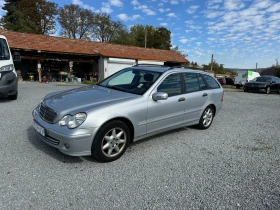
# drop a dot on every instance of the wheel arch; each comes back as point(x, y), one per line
point(214, 108)
point(124, 120)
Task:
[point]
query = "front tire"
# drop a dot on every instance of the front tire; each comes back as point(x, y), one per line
point(267, 90)
point(206, 118)
point(13, 97)
point(111, 141)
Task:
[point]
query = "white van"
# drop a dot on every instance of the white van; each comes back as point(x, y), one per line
point(8, 75)
point(244, 76)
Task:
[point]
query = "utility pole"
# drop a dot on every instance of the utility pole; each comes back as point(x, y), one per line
point(256, 66)
point(212, 61)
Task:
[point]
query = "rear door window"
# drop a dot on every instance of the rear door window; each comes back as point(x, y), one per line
point(191, 82)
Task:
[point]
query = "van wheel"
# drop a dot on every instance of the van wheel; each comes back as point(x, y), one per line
point(267, 90)
point(206, 118)
point(111, 141)
point(13, 97)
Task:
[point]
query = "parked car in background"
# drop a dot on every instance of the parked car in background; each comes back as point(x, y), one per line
point(132, 104)
point(225, 81)
point(265, 84)
point(8, 75)
point(229, 81)
point(222, 80)
point(244, 76)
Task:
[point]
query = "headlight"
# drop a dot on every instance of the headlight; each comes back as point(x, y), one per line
point(73, 121)
point(7, 68)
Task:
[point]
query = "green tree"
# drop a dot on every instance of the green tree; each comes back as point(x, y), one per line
point(181, 52)
point(123, 38)
point(107, 30)
point(144, 36)
point(32, 16)
point(161, 38)
point(216, 67)
point(76, 22)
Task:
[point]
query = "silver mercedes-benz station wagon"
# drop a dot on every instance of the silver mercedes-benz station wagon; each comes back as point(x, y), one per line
point(132, 104)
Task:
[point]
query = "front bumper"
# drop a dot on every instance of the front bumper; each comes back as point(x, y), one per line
point(73, 142)
point(8, 83)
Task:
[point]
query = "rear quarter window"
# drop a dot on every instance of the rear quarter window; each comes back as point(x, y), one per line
point(212, 83)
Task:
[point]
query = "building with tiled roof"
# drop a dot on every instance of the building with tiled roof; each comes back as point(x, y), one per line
point(88, 57)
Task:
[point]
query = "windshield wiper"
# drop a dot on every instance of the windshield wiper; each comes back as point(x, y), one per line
point(116, 88)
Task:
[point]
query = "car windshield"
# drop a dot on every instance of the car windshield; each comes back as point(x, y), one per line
point(4, 50)
point(261, 79)
point(130, 80)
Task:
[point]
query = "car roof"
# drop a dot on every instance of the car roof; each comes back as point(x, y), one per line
point(162, 69)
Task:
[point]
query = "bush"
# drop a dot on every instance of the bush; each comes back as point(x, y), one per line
point(89, 82)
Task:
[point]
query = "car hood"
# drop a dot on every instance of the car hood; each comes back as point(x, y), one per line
point(84, 99)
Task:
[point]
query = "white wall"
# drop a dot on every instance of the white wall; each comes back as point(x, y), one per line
point(151, 62)
point(117, 64)
point(109, 66)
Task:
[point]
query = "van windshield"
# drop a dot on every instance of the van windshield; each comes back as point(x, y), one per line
point(4, 50)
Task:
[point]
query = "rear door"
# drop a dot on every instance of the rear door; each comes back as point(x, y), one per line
point(196, 96)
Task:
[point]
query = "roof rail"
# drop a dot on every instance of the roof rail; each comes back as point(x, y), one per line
point(147, 64)
point(173, 67)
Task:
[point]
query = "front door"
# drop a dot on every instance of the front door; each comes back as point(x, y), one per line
point(170, 112)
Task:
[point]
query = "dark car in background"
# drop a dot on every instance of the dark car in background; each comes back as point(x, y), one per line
point(229, 81)
point(222, 80)
point(264, 84)
point(225, 81)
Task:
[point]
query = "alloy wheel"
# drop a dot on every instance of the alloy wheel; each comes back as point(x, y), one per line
point(114, 142)
point(207, 117)
point(268, 90)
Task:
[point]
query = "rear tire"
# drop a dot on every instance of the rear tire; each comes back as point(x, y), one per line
point(111, 141)
point(206, 118)
point(13, 97)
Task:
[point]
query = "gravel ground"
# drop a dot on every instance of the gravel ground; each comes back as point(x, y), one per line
point(232, 165)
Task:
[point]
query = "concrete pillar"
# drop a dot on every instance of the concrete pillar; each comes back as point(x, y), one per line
point(39, 68)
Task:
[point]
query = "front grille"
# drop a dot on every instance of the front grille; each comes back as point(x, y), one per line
point(46, 113)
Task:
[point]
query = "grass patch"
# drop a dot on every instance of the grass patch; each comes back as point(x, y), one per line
point(89, 82)
point(261, 146)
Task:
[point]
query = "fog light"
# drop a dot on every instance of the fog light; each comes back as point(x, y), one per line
point(67, 146)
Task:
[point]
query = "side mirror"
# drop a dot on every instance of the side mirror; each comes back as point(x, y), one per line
point(159, 96)
point(16, 57)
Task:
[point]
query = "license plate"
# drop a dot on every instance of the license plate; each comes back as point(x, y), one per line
point(39, 128)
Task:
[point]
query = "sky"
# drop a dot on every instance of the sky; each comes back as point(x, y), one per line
point(239, 33)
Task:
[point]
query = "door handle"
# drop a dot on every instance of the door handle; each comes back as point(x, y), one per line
point(205, 94)
point(181, 99)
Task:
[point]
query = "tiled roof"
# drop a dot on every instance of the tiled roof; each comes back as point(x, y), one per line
point(45, 43)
